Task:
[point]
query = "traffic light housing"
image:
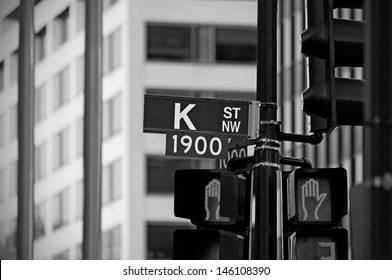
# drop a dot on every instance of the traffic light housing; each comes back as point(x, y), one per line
point(218, 203)
point(207, 244)
point(329, 42)
point(327, 244)
point(315, 200)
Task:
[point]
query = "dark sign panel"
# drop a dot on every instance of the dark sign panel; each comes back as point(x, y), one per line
point(196, 144)
point(163, 113)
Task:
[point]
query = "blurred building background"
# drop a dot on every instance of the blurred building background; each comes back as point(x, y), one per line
point(176, 47)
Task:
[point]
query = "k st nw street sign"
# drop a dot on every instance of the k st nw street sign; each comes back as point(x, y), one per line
point(232, 117)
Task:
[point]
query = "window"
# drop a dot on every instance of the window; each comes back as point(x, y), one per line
point(79, 199)
point(79, 251)
point(64, 255)
point(39, 220)
point(201, 43)
point(61, 88)
point(111, 182)
point(81, 15)
point(13, 179)
point(2, 237)
point(108, 3)
point(1, 75)
point(61, 28)
point(14, 67)
point(112, 51)
point(112, 116)
point(40, 45)
point(10, 240)
point(2, 130)
point(40, 161)
point(160, 171)
point(10, 19)
point(169, 42)
point(111, 244)
point(2, 185)
point(235, 45)
point(79, 137)
point(14, 122)
point(14, 15)
point(61, 209)
point(3, 248)
point(40, 103)
point(160, 240)
point(80, 75)
point(61, 148)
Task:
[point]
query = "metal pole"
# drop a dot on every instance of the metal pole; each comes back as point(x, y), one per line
point(26, 131)
point(378, 124)
point(267, 148)
point(378, 102)
point(92, 131)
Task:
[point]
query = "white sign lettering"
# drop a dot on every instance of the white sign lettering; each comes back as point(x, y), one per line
point(228, 114)
point(231, 125)
point(178, 115)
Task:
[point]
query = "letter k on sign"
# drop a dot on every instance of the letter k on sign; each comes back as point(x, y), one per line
point(178, 115)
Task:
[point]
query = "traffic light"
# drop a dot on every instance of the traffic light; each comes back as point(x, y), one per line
point(218, 203)
point(329, 42)
point(314, 202)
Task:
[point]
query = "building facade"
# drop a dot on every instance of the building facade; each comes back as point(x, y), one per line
point(174, 47)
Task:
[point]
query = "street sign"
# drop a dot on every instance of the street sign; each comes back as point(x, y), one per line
point(232, 117)
point(196, 144)
point(237, 148)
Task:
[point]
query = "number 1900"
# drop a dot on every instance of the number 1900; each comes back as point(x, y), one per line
point(196, 144)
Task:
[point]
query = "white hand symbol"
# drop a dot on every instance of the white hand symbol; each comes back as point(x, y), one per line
point(212, 200)
point(311, 189)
